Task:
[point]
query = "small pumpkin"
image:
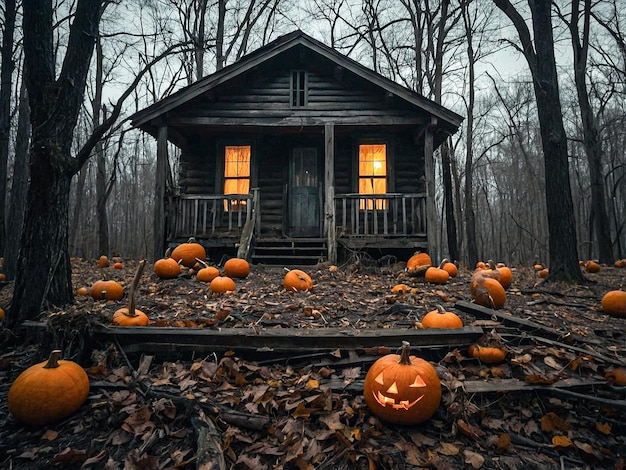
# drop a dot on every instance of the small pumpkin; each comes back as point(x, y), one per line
point(402, 389)
point(620, 263)
point(616, 376)
point(614, 303)
point(440, 318)
point(505, 276)
point(297, 280)
point(487, 354)
point(186, 253)
point(592, 267)
point(207, 274)
point(544, 273)
point(118, 265)
point(106, 290)
point(103, 261)
point(82, 291)
point(488, 349)
point(451, 268)
point(237, 267)
point(49, 391)
point(418, 264)
point(3, 277)
point(436, 275)
point(2, 315)
point(130, 316)
point(487, 291)
point(167, 268)
point(222, 284)
point(399, 289)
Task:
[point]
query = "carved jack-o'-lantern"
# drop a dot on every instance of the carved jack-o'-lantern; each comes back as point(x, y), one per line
point(402, 389)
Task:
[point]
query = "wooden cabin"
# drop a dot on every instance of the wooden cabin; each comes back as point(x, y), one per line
point(297, 154)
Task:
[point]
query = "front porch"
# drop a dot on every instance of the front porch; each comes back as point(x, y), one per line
point(359, 222)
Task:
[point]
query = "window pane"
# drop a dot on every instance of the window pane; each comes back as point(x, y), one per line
point(236, 173)
point(373, 173)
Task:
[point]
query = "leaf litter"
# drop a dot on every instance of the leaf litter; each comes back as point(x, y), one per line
point(158, 411)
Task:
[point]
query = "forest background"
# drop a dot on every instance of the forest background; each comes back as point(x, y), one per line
point(491, 192)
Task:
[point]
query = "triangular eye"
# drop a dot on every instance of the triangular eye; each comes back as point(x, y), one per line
point(419, 382)
point(393, 389)
point(379, 379)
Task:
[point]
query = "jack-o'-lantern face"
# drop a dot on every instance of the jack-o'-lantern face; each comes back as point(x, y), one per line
point(391, 396)
point(402, 389)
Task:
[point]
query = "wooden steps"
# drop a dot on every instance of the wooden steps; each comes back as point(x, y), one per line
point(289, 251)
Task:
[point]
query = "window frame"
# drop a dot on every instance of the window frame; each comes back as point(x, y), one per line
point(381, 205)
point(298, 88)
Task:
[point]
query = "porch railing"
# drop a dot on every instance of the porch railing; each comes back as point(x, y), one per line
point(357, 215)
point(390, 214)
point(213, 215)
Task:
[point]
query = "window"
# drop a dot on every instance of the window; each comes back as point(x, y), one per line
point(373, 173)
point(299, 88)
point(236, 173)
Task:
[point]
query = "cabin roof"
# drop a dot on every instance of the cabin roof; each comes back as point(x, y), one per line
point(144, 119)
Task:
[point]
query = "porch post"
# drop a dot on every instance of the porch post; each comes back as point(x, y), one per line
point(329, 196)
point(431, 210)
point(159, 194)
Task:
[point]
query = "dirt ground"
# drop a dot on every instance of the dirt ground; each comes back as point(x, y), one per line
point(548, 405)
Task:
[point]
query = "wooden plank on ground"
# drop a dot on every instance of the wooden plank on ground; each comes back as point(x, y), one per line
point(281, 339)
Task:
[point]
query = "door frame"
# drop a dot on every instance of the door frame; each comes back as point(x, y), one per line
point(287, 213)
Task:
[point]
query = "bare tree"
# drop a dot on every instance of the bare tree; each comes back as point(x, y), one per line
point(6, 75)
point(542, 64)
point(591, 133)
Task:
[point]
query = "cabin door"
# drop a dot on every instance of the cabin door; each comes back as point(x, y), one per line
point(304, 193)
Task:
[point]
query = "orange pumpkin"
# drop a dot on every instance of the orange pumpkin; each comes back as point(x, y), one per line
point(167, 268)
point(436, 275)
point(440, 318)
point(616, 376)
point(106, 290)
point(399, 289)
point(186, 253)
point(118, 265)
point(487, 354)
point(237, 267)
point(487, 291)
point(103, 261)
point(544, 273)
point(82, 291)
point(592, 267)
point(297, 280)
point(207, 274)
point(488, 349)
point(418, 264)
point(222, 284)
point(122, 317)
point(49, 391)
point(614, 303)
point(402, 389)
point(505, 276)
point(451, 268)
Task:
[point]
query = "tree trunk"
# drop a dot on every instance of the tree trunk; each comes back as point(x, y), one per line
point(44, 272)
point(44, 268)
point(19, 186)
point(563, 244)
point(591, 135)
point(6, 75)
point(453, 250)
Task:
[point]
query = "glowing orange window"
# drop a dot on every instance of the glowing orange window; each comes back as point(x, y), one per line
point(236, 173)
point(372, 174)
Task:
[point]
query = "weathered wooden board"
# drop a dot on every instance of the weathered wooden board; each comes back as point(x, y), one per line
point(135, 339)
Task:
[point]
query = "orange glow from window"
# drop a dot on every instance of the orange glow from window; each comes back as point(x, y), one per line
point(373, 173)
point(236, 173)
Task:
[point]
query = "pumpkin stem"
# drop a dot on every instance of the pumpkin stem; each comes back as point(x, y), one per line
point(405, 353)
point(203, 263)
point(133, 288)
point(53, 360)
point(440, 309)
point(443, 263)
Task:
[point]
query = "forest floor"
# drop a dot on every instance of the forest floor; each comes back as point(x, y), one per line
point(164, 403)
